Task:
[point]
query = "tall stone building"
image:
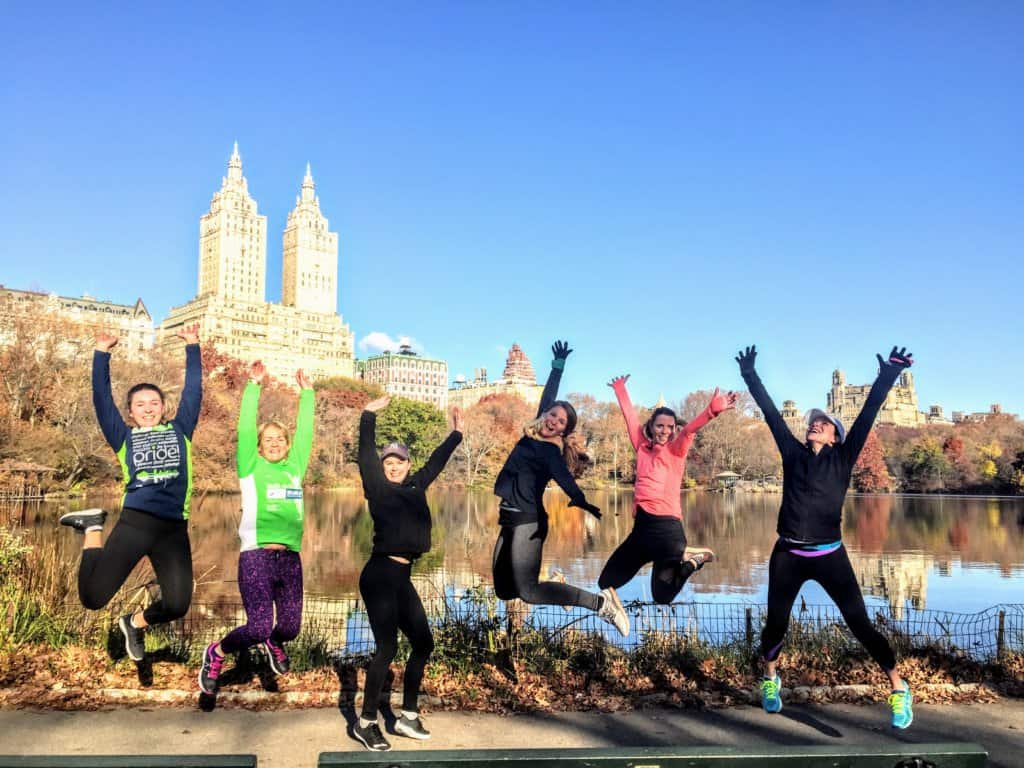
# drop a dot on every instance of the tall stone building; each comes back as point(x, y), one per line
point(304, 331)
point(518, 380)
point(131, 323)
point(900, 407)
point(408, 375)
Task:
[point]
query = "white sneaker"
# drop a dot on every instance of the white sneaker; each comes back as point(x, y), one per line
point(611, 610)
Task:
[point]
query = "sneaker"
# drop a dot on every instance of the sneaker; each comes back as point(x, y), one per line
point(84, 519)
point(371, 737)
point(411, 727)
point(209, 672)
point(701, 558)
point(901, 702)
point(771, 694)
point(278, 658)
point(134, 638)
point(611, 610)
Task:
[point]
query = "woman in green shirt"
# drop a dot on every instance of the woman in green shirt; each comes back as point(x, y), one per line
point(270, 472)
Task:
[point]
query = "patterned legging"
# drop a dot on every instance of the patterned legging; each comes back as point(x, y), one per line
point(268, 578)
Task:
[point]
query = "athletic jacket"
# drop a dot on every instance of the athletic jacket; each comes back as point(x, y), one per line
point(659, 468)
point(272, 508)
point(814, 484)
point(528, 469)
point(401, 517)
point(156, 462)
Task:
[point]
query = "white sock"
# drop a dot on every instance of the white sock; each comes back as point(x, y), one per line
point(410, 715)
point(363, 722)
point(94, 528)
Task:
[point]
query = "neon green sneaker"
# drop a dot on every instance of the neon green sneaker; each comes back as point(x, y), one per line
point(771, 693)
point(901, 702)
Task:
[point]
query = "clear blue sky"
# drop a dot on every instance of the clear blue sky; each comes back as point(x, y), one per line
point(659, 183)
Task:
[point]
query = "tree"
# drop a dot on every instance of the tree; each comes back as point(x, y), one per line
point(870, 475)
point(492, 427)
point(926, 466)
point(420, 426)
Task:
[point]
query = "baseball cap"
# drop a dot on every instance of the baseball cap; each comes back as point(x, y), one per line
point(395, 449)
point(817, 413)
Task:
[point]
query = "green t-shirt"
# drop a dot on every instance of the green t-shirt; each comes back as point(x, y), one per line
point(272, 511)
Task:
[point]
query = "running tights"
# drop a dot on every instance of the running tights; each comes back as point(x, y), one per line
point(267, 578)
point(516, 567)
point(655, 538)
point(788, 571)
point(392, 604)
point(137, 535)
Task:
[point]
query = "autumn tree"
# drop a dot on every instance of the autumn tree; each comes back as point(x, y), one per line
point(870, 474)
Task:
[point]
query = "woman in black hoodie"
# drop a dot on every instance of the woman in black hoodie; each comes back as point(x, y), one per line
point(401, 533)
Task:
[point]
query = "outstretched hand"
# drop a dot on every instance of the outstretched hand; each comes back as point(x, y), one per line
point(257, 372)
point(105, 341)
point(721, 403)
point(303, 380)
point(746, 359)
point(188, 333)
point(458, 422)
point(897, 360)
point(591, 508)
point(376, 405)
point(560, 350)
point(618, 380)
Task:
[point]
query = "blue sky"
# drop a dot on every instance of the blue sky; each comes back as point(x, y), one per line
point(659, 183)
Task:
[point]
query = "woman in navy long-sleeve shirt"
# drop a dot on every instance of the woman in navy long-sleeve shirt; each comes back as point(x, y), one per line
point(815, 476)
point(155, 456)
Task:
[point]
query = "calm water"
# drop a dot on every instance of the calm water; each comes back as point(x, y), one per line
point(947, 553)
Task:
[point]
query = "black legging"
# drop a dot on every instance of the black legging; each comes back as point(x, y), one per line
point(787, 572)
point(516, 568)
point(392, 604)
point(137, 535)
point(654, 538)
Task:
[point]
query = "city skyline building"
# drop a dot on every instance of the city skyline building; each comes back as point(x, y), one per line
point(518, 379)
point(304, 330)
point(409, 375)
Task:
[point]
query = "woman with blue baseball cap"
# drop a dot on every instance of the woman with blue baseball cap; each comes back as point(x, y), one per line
point(815, 476)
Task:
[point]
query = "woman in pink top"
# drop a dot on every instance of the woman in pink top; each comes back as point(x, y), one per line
point(657, 536)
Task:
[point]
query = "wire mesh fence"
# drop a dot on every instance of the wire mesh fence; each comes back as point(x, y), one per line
point(475, 624)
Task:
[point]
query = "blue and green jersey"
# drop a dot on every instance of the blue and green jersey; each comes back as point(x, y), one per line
point(156, 462)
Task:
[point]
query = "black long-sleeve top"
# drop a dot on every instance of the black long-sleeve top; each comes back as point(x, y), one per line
point(401, 516)
point(814, 485)
point(528, 469)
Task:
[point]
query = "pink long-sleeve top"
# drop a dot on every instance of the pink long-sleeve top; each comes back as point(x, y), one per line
point(659, 468)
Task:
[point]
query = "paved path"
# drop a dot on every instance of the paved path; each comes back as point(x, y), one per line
point(284, 739)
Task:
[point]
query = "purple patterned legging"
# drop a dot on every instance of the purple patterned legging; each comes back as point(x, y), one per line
point(267, 578)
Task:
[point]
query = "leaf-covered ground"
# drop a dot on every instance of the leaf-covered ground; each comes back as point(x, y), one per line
point(75, 678)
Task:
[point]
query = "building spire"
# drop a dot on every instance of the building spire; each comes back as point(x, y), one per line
point(308, 187)
point(235, 165)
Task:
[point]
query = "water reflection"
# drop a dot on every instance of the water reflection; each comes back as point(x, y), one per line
point(952, 553)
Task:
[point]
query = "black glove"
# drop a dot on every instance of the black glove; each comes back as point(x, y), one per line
point(746, 359)
point(560, 350)
point(897, 360)
point(595, 511)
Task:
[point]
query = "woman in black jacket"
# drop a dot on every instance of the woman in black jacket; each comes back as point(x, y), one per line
point(401, 533)
point(544, 453)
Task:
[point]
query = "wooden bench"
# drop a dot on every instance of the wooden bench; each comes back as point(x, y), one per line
point(127, 761)
point(850, 756)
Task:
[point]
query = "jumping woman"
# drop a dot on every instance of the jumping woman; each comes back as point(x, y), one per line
point(156, 461)
point(270, 473)
point(542, 454)
point(815, 477)
point(401, 533)
point(657, 536)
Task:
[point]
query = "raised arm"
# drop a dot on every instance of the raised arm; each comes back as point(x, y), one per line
point(192, 393)
point(888, 371)
point(633, 428)
point(302, 443)
point(370, 469)
point(718, 404)
point(429, 472)
point(248, 415)
point(784, 438)
point(560, 350)
point(111, 424)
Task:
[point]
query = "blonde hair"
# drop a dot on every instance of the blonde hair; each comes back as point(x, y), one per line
point(573, 449)
point(272, 423)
